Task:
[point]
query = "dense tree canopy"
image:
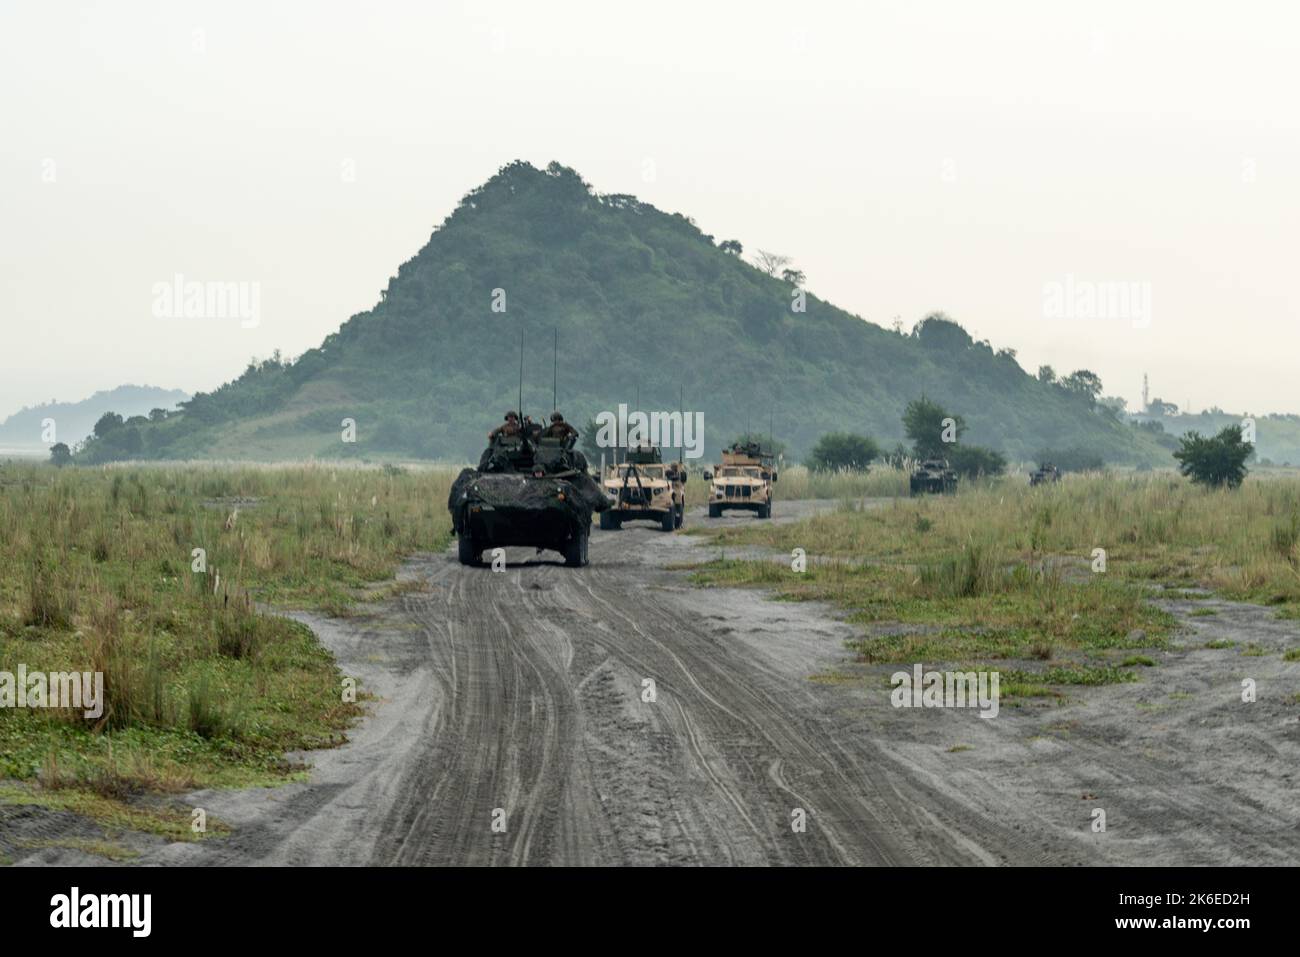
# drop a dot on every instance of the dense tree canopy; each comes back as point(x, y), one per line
point(937, 331)
point(842, 450)
point(974, 460)
point(931, 428)
point(1084, 384)
point(107, 423)
point(1217, 461)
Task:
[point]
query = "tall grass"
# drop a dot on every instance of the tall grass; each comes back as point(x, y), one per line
point(970, 572)
point(1151, 527)
point(798, 482)
point(98, 572)
point(50, 601)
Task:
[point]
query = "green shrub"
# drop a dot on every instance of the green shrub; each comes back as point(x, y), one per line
point(1216, 462)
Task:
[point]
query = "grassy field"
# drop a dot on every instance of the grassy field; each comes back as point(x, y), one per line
point(205, 688)
point(1003, 572)
point(1153, 527)
point(797, 482)
point(97, 573)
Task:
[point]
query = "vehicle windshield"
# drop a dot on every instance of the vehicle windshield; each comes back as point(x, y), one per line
point(741, 471)
point(645, 471)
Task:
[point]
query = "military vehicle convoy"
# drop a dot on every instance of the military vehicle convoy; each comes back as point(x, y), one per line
point(933, 477)
point(529, 490)
point(742, 480)
point(643, 487)
point(1044, 474)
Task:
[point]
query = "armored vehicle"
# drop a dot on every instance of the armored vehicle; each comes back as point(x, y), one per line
point(743, 480)
point(933, 476)
point(644, 487)
point(527, 491)
point(1045, 473)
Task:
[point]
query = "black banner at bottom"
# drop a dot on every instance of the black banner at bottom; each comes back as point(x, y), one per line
point(338, 907)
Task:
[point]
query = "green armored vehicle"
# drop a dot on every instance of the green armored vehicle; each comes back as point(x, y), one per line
point(933, 477)
point(1045, 474)
point(530, 491)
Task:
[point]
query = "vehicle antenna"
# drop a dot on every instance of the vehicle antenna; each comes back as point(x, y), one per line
point(681, 407)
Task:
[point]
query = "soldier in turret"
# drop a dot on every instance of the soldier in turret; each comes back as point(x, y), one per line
point(509, 427)
point(559, 429)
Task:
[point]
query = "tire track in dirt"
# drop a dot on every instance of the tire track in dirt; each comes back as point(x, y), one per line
point(522, 690)
point(539, 672)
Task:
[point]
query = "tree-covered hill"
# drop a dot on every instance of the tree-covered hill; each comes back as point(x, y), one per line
point(1277, 435)
point(645, 304)
point(73, 421)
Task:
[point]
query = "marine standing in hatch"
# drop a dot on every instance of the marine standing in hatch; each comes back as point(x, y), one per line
point(559, 429)
point(509, 427)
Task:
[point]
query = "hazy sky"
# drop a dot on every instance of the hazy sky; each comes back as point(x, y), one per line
point(908, 156)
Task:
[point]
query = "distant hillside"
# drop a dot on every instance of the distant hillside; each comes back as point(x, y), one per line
point(644, 304)
point(73, 421)
point(1277, 436)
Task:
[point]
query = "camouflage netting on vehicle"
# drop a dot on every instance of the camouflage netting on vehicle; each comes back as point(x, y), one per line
point(581, 494)
point(549, 457)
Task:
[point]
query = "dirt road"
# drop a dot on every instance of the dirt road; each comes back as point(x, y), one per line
point(514, 725)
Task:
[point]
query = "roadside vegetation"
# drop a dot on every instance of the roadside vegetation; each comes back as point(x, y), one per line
point(1005, 573)
point(204, 686)
point(797, 482)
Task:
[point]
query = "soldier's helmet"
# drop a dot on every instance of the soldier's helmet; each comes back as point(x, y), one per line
point(512, 415)
point(556, 417)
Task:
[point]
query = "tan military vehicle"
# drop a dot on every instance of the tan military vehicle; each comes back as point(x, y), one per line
point(643, 487)
point(743, 480)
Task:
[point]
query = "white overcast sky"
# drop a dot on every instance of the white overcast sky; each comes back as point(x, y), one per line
point(908, 156)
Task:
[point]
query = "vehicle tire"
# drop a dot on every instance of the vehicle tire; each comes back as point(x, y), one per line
point(765, 511)
point(680, 517)
point(669, 521)
point(575, 552)
point(609, 521)
point(715, 511)
point(467, 549)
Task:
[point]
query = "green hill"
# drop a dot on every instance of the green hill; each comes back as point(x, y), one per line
point(73, 421)
point(1277, 435)
point(644, 303)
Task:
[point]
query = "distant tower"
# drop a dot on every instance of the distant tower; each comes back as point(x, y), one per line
point(1146, 399)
